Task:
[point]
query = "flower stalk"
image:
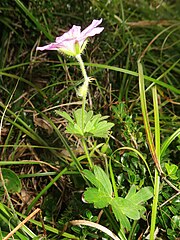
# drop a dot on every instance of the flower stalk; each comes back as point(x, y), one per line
point(73, 43)
point(82, 92)
point(83, 89)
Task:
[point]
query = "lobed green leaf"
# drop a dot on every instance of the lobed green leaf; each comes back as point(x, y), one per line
point(141, 196)
point(91, 177)
point(65, 115)
point(99, 198)
point(102, 177)
point(120, 216)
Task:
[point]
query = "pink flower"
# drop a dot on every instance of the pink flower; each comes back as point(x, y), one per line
point(74, 41)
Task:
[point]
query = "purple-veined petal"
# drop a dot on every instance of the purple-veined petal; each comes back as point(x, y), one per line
point(92, 29)
point(73, 33)
point(92, 32)
point(52, 46)
point(68, 45)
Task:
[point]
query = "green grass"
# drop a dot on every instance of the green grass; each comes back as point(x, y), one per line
point(47, 160)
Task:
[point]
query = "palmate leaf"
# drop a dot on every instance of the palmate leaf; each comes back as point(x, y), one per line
point(141, 196)
point(102, 177)
point(131, 191)
point(98, 197)
point(88, 117)
point(101, 129)
point(130, 205)
point(91, 177)
point(86, 124)
point(120, 216)
point(90, 124)
point(127, 207)
point(98, 127)
point(88, 127)
point(78, 117)
point(123, 208)
point(65, 115)
point(100, 180)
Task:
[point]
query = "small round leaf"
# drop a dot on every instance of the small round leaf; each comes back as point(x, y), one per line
point(12, 182)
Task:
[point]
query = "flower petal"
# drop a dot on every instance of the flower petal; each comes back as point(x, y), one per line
point(52, 46)
point(92, 29)
point(69, 45)
point(73, 33)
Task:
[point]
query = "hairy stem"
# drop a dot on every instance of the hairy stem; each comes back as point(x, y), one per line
point(83, 93)
point(84, 88)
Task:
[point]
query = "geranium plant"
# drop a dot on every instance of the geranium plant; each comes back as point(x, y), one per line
point(84, 124)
